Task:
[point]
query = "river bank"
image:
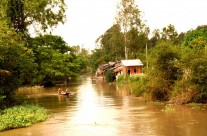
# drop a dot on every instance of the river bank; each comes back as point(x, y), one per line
point(143, 86)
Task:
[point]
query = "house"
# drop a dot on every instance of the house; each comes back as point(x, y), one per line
point(103, 68)
point(129, 67)
point(123, 67)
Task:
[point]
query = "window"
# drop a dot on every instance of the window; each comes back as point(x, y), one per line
point(135, 70)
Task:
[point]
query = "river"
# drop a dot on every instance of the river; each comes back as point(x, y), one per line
point(101, 109)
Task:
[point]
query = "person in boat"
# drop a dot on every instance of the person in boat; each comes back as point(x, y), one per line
point(61, 92)
point(66, 91)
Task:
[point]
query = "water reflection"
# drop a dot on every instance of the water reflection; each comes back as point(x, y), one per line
point(100, 109)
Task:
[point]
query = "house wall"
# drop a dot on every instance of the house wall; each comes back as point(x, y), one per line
point(132, 69)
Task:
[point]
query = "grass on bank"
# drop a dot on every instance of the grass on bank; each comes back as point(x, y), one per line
point(135, 83)
point(22, 116)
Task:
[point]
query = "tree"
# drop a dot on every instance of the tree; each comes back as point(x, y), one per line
point(109, 76)
point(198, 77)
point(53, 41)
point(194, 66)
point(163, 70)
point(55, 59)
point(98, 57)
point(111, 42)
point(82, 57)
point(16, 64)
point(164, 58)
point(169, 33)
point(200, 33)
point(41, 14)
point(137, 43)
point(128, 17)
point(156, 36)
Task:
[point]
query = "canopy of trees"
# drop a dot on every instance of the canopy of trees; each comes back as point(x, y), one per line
point(177, 69)
point(41, 14)
point(34, 61)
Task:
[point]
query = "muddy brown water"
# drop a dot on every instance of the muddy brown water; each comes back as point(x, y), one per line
point(100, 109)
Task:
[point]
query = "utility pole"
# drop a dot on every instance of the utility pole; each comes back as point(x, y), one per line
point(146, 56)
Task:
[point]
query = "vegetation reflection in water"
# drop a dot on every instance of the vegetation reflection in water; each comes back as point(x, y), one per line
point(104, 109)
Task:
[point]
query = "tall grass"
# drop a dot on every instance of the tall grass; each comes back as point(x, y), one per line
point(22, 116)
point(136, 83)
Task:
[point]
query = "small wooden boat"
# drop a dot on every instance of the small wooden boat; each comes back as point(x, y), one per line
point(61, 92)
point(65, 93)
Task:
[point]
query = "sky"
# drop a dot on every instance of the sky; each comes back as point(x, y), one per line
point(89, 19)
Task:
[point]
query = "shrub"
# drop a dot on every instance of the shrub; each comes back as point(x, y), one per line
point(109, 76)
point(199, 78)
point(120, 78)
point(22, 116)
point(159, 89)
point(139, 85)
point(183, 92)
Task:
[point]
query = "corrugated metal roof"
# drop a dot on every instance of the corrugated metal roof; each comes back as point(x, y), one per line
point(135, 62)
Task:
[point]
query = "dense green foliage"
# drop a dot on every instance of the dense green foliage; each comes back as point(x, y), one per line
point(177, 69)
point(177, 72)
point(26, 60)
point(111, 43)
point(177, 62)
point(55, 60)
point(22, 116)
point(135, 83)
point(109, 76)
point(163, 72)
point(41, 14)
point(34, 61)
point(16, 59)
